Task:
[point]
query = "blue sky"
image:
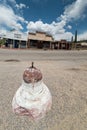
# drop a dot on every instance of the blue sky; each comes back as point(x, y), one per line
point(59, 18)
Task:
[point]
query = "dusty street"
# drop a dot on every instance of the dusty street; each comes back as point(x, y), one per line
point(65, 74)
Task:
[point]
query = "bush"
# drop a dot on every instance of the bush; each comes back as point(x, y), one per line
point(2, 41)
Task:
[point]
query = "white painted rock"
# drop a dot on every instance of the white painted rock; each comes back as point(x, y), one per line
point(33, 98)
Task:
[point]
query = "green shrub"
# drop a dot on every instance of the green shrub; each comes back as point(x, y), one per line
point(2, 41)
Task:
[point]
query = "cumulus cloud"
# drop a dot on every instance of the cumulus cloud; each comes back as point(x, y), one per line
point(9, 18)
point(54, 29)
point(72, 12)
point(21, 5)
point(82, 36)
point(69, 27)
point(65, 35)
point(2, 31)
point(15, 4)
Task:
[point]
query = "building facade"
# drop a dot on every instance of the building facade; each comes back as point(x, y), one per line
point(39, 40)
point(15, 39)
point(62, 44)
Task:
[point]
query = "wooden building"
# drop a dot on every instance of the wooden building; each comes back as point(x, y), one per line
point(39, 40)
point(62, 44)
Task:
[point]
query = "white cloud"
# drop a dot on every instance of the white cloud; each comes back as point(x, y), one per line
point(65, 35)
point(14, 3)
point(21, 5)
point(54, 29)
point(9, 18)
point(2, 31)
point(72, 12)
point(69, 27)
point(82, 36)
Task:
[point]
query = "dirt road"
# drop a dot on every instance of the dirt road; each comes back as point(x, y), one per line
point(64, 72)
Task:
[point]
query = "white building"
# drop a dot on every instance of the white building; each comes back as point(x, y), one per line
point(15, 39)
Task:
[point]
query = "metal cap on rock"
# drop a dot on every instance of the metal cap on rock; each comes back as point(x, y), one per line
point(32, 74)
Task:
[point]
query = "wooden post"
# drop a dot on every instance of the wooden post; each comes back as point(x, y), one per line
point(50, 45)
point(28, 43)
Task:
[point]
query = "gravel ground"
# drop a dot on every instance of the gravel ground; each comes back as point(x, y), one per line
point(65, 74)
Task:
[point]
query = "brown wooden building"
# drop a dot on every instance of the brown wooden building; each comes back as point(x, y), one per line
point(39, 40)
point(63, 44)
point(42, 40)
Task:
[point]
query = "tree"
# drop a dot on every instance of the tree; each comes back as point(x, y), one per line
point(2, 41)
point(75, 36)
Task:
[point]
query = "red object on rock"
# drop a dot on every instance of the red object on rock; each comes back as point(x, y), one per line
point(32, 74)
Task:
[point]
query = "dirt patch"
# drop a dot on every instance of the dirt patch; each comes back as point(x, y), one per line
point(12, 60)
point(77, 69)
point(74, 69)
